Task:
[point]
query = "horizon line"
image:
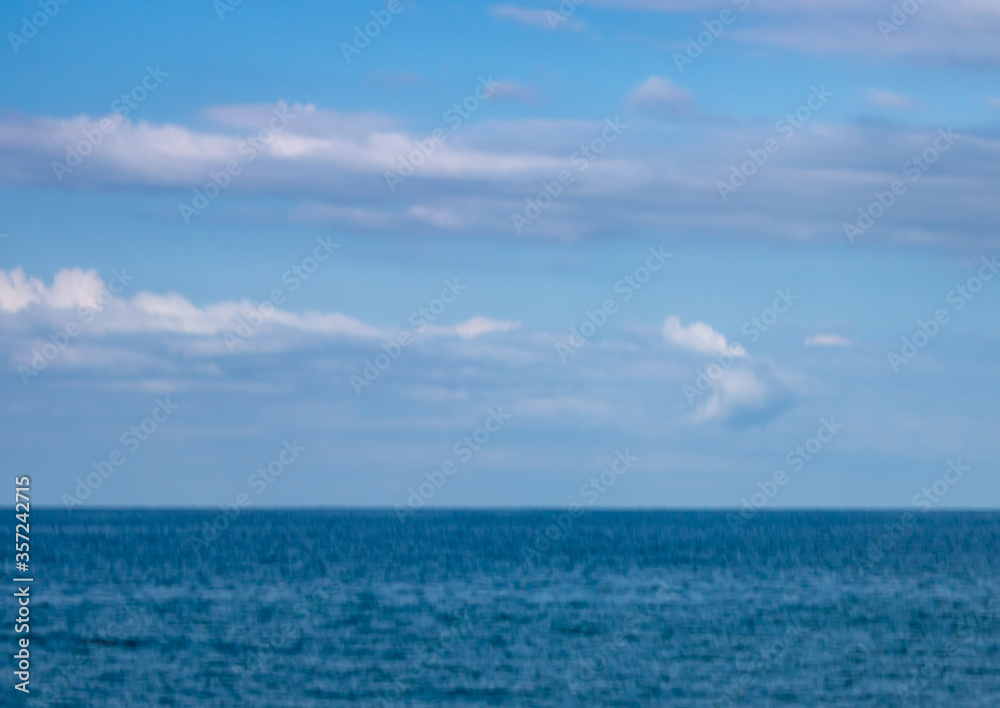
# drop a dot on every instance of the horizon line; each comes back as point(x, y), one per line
point(390, 509)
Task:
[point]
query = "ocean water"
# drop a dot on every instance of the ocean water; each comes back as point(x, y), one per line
point(519, 608)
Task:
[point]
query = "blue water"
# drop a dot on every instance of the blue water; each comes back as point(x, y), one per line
point(449, 608)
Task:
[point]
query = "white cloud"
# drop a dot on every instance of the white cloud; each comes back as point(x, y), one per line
point(320, 145)
point(172, 313)
point(697, 336)
point(661, 95)
point(962, 30)
point(737, 389)
point(537, 17)
point(887, 99)
point(475, 327)
point(828, 340)
point(71, 288)
point(329, 167)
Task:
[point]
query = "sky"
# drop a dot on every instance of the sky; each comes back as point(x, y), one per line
point(616, 253)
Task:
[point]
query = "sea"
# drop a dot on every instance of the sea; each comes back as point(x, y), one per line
point(509, 608)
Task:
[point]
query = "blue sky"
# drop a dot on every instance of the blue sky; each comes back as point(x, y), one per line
point(605, 104)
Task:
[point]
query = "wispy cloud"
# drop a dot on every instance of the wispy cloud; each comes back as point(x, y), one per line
point(887, 99)
point(961, 31)
point(828, 340)
point(31, 300)
point(661, 96)
point(514, 91)
point(739, 389)
point(329, 167)
point(399, 79)
point(537, 17)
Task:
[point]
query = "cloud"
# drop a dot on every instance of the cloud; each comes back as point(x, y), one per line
point(40, 306)
point(960, 31)
point(659, 95)
point(176, 344)
point(537, 17)
point(513, 91)
point(828, 340)
point(737, 389)
point(697, 336)
point(476, 327)
point(887, 99)
point(338, 145)
point(71, 288)
point(748, 394)
point(330, 167)
point(399, 79)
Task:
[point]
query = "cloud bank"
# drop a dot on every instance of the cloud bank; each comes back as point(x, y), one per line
point(330, 168)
